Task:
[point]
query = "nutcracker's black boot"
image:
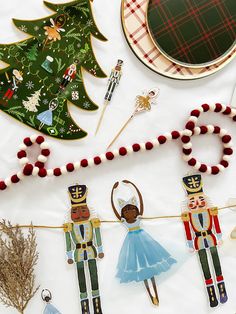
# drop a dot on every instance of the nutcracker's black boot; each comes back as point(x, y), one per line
point(97, 305)
point(222, 292)
point(212, 296)
point(85, 306)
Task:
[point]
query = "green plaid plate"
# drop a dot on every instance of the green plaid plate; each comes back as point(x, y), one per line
point(193, 32)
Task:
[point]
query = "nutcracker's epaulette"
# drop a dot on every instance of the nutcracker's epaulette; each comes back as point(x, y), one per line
point(68, 227)
point(213, 211)
point(185, 216)
point(96, 223)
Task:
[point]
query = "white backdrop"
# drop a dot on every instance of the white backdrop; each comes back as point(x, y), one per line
point(157, 173)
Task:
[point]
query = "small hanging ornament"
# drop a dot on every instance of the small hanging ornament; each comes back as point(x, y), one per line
point(47, 297)
point(143, 103)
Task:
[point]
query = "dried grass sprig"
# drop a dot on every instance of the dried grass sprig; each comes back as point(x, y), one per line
point(18, 257)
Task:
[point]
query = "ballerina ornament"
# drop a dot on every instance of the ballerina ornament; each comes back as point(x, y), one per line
point(141, 257)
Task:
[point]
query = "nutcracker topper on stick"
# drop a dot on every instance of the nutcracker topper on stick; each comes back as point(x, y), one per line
point(113, 82)
point(143, 103)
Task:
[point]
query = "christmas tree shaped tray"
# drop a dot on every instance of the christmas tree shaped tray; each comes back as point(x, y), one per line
point(44, 72)
point(193, 33)
point(137, 35)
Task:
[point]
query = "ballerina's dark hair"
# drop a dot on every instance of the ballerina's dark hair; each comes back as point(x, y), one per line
point(129, 207)
point(139, 211)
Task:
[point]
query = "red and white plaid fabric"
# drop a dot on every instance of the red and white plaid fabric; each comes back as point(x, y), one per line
point(137, 34)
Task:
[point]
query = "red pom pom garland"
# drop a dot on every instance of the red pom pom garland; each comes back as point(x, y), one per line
point(191, 129)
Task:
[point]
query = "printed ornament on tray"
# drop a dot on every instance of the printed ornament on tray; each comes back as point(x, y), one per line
point(43, 73)
point(134, 22)
point(84, 246)
point(141, 257)
point(203, 234)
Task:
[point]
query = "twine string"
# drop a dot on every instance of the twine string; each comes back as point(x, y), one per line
point(109, 221)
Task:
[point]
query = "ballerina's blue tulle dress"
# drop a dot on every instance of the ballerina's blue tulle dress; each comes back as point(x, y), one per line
point(141, 257)
point(50, 309)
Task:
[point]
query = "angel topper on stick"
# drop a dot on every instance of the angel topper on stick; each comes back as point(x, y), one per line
point(203, 234)
point(141, 257)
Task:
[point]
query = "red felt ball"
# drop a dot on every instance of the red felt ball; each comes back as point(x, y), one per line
point(42, 172)
point(45, 152)
point(109, 155)
point(122, 151)
point(97, 160)
point(203, 168)
point(70, 167)
point(136, 147)
point(27, 141)
point(192, 162)
point(227, 110)
point(84, 163)
point(224, 163)
point(203, 129)
point(216, 129)
point(228, 151)
point(15, 179)
point(218, 107)
point(40, 139)
point(161, 139)
point(185, 139)
point(28, 169)
point(205, 107)
point(175, 135)
point(57, 172)
point(190, 125)
point(234, 118)
point(2, 185)
point(195, 113)
point(215, 170)
point(39, 164)
point(21, 154)
point(149, 146)
point(226, 139)
point(187, 151)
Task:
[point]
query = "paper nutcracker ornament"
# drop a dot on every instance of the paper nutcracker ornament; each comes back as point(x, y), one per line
point(84, 246)
point(141, 257)
point(203, 234)
point(52, 60)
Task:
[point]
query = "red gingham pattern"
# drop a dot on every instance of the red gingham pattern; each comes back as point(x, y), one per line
point(139, 39)
point(191, 129)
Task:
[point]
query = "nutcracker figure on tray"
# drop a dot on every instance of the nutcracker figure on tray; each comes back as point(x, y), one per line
point(203, 235)
point(69, 75)
point(83, 246)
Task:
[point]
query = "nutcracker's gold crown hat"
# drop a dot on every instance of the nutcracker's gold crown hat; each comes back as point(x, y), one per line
point(78, 194)
point(193, 184)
